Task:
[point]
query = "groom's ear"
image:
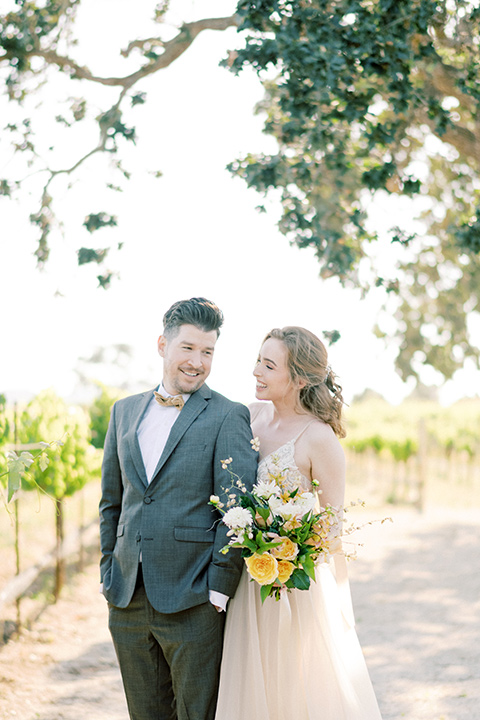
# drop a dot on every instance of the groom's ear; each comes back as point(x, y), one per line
point(161, 344)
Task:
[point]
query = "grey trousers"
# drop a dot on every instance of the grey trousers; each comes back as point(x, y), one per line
point(170, 664)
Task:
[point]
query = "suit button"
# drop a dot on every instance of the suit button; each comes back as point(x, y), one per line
point(147, 500)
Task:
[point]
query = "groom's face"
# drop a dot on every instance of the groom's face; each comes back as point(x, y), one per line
point(187, 358)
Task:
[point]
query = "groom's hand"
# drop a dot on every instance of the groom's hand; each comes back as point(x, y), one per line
point(218, 600)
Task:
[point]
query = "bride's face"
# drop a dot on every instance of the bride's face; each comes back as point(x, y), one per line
point(271, 372)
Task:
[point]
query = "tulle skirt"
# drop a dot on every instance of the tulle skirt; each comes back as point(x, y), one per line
point(293, 659)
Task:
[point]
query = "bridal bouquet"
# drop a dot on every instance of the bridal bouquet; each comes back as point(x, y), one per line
point(281, 532)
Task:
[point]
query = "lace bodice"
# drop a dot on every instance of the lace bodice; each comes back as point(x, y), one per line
point(280, 465)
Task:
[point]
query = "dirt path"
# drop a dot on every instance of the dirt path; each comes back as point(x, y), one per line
point(416, 592)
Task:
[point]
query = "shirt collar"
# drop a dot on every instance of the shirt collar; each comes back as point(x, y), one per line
point(162, 391)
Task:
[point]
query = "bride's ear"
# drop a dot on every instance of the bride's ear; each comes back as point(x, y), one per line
point(301, 383)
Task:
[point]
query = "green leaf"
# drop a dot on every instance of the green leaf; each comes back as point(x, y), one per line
point(16, 469)
point(309, 566)
point(264, 512)
point(265, 547)
point(265, 591)
point(300, 579)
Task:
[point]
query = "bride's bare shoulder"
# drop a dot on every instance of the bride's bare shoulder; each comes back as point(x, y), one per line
point(257, 410)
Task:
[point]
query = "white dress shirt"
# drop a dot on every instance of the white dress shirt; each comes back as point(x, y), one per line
point(152, 434)
point(154, 430)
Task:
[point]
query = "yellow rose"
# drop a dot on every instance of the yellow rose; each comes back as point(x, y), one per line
point(288, 550)
point(262, 568)
point(285, 569)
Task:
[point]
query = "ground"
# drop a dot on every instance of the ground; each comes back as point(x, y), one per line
point(416, 594)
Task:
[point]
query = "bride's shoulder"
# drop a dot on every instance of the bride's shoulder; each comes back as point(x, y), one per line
point(257, 410)
point(321, 433)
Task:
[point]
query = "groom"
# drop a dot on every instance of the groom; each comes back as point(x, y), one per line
point(163, 574)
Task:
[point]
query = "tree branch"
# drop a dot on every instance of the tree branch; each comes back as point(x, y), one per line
point(172, 49)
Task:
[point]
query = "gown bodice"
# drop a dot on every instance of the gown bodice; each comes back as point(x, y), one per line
point(281, 466)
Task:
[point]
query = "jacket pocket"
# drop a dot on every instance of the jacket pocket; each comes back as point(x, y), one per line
point(120, 529)
point(194, 534)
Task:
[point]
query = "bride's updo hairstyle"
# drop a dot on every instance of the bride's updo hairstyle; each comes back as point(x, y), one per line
point(307, 360)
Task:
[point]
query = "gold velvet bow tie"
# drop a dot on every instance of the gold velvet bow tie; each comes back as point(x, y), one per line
point(172, 401)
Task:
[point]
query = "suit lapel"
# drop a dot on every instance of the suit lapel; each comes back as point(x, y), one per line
point(191, 410)
point(137, 413)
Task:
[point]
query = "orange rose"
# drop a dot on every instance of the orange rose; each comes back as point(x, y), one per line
point(262, 568)
point(285, 569)
point(288, 550)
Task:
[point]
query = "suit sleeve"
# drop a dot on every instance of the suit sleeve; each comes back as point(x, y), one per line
point(111, 497)
point(233, 441)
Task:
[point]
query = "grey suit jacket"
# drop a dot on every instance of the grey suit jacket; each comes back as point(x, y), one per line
point(170, 521)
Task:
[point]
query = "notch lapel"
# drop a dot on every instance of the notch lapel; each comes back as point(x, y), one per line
point(136, 415)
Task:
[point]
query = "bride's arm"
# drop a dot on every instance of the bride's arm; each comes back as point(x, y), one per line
point(327, 464)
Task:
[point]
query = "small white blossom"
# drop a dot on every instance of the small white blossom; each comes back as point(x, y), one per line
point(214, 499)
point(266, 488)
point(255, 443)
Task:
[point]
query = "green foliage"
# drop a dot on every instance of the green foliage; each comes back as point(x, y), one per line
point(73, 463)
point(375, 425)
point(5, 429)
point(88, 255)
point(355, 92)
point(95, 221)
point(99, 412)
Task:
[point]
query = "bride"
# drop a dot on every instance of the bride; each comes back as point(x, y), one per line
point(297, 658)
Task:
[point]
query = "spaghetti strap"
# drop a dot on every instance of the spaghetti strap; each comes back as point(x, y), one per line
point(302, 431)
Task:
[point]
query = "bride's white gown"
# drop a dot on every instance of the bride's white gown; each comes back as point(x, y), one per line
point(297, 658)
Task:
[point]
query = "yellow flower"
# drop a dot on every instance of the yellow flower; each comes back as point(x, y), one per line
point(262, 568)
point(285, 569)
point(288, 550)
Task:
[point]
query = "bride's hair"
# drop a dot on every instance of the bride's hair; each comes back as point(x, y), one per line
point(307, 360)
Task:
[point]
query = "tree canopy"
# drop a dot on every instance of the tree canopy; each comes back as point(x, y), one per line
point(365, 99)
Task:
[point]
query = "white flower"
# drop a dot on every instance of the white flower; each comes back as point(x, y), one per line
point(286, 510)
point(214, 499)
point(265, 489)
point(305, 502)
point(295, 508)
point(238, 518)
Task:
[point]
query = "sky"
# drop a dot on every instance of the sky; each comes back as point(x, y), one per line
point(194, 231)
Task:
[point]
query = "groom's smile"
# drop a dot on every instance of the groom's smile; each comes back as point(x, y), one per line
point(187, 358)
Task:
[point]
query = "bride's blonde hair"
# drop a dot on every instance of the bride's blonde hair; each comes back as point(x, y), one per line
point(307, 360)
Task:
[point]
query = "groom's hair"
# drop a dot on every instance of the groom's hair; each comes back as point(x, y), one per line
point(199, 311)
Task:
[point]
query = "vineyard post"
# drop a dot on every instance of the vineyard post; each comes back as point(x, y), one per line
point(60, 536)
point(81, 550)
point(17, 524)
point(421, 464)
